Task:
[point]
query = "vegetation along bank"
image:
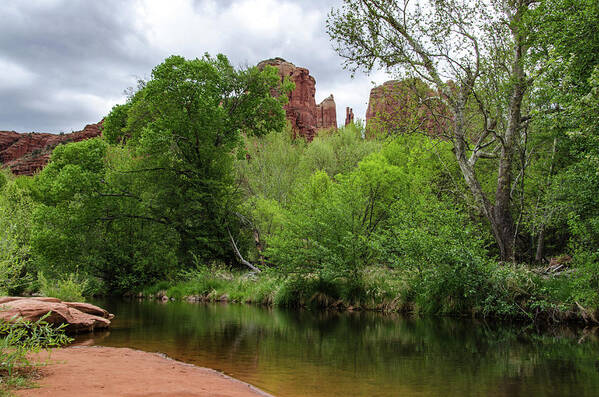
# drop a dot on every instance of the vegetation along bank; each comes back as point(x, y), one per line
point(478, 198)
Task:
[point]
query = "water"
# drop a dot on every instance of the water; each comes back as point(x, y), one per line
point(309, 354)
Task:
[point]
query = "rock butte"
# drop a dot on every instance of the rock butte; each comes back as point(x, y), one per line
point(390, 105)
point(79, 317)
point(305, 116)
point(349, 116)
point(397, 106)
point(26, 153)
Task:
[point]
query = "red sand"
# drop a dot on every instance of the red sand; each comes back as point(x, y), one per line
point(110, 371)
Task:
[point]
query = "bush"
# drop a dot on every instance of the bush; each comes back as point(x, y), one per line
point(69, 289)
point(153, 289)
point(585, 281)
point(20, 338)
point(15, 227)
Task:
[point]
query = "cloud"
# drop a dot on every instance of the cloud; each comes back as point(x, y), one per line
point(13, 76)
point(86, 49)
point(63, 64)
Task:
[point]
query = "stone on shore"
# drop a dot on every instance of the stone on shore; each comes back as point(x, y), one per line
point(79, 317)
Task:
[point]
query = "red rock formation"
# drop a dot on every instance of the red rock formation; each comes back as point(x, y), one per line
point(29, 152)
point(326, 114)
point(305, 116)
point(349, 116)
point(404, 107)
point(79, 317)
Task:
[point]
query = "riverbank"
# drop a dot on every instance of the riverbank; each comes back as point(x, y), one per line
point(109, 371)
point(506, 292)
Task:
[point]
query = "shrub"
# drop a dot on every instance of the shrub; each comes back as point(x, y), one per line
point(20, 338)
point(153, 289)
point(70, 288)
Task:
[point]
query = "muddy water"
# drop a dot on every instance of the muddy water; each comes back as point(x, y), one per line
point(310, 354)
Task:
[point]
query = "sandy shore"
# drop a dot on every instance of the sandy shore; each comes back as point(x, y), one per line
point(109, 371)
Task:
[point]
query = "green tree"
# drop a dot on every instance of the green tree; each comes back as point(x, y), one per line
point(182, 128)
point(336, 226)
point(16, 207)
point(83, 224)
point(565, 108)
point(475, 55)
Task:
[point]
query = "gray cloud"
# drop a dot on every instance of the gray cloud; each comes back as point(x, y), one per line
point(77, 54)
point(64, 63)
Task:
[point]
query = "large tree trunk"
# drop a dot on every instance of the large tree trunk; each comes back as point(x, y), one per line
point(499, 213)
point(502, 212)
point(540, 254)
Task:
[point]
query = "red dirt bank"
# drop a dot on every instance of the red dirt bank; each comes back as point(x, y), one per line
point(110, 371)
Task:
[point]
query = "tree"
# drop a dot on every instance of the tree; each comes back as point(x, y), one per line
point(83, 222)
point(16, 207)
point(183, 127)
point(474, 54)
point(566, 107)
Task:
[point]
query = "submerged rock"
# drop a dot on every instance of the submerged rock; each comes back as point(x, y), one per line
point(79, 317)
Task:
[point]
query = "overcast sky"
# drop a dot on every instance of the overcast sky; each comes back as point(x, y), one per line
point(65, 63)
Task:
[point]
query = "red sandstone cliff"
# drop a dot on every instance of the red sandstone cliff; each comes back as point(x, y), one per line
point(326, 114)
point(305, 116)
point(349, 116)
point(404, 107)
point(26, 153)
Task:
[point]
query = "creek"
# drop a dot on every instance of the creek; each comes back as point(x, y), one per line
point(315, 354)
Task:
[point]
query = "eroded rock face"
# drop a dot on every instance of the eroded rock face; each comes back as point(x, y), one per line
point(305, 116)
point(326, 114)
point(404, 107)
point(26, 153)
point(79, 317)
point(349, 116)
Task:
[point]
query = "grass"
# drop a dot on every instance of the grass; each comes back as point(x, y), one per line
point(377, 290)
point(18, 339)
point(70, 289)
point(507, 292)
point(24, 380)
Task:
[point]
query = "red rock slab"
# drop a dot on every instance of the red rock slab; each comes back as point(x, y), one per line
point(90, 309)
point(76, 315)
point(110, 371)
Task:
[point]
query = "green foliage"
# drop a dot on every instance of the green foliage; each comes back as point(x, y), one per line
point(70, 289)
point(209, 283)
point(338, 152)
point(20, 338)
point(336, 227)
point(16, 207)
point(272, 169)
point(156, 288)
point(585, 285)
point(276, 166)
point(565, 103)
point(158, 190)
point(86, 222)
point(181, 128)
point(277, 169)
point(115, 124)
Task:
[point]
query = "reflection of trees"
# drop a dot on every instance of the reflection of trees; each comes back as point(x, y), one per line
point(388, 350)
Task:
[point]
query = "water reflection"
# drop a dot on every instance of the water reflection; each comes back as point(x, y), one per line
point(302, 353)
